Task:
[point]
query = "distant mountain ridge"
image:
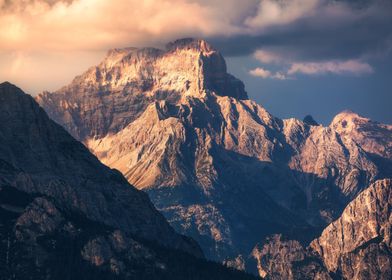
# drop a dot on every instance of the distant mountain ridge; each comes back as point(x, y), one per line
point(217, 165)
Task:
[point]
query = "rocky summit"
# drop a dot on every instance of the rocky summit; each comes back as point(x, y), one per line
point(218, 166)
point(128, 80)
point(64, 215)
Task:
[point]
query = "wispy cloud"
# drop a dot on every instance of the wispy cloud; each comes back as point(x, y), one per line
point(266, 74)
point(351, 67)
point(335, 67)
point(290, 66)
point(270, 12)
point(268, 57)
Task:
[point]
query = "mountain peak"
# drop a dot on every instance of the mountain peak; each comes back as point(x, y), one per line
point(199, 45)
point(374, 137)
point(198, 70)
point(128, 80)
point(308, 119)
point(345, 115)
point(7, 86)
point(347, 120)
point(15, 102)
point(190, 43)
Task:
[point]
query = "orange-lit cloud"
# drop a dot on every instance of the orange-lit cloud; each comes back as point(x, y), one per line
point(43, 43)
point(267, 74)
point(101, 24)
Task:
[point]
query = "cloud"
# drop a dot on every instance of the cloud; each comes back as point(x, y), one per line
point(353, 67)
point(101, 24)
point(317, 27)
point(286, 31)
point(272, 12)
point(268, 57)
point(260, 72)
point(317, 30)
point(43, 44)
point(334, 67)
point(266, 74)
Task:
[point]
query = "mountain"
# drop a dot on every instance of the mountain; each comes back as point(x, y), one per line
point(217, 165)
point(355, 246)
point(128, 80)
point(65, 215)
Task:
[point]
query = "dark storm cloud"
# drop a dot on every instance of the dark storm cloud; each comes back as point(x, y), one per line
point(363, 30)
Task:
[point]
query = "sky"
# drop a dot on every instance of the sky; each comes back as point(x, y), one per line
point(296, 57)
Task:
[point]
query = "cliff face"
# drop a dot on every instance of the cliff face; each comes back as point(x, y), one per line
point(355, 246)
point(358, 245)
point(216, 164)
point(280, 258)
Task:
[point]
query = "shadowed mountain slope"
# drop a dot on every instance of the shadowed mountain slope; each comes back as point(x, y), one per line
point(64, 215)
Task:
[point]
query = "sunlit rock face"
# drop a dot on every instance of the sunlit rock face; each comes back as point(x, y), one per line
point(355, 246)
point(373, 137)
point(358, 245)
point(217, 165)
point(128, 80)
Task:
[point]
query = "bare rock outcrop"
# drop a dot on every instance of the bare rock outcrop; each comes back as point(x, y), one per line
point(355, 246)
point(358, 244)
point(373, 137)
point(280, 258)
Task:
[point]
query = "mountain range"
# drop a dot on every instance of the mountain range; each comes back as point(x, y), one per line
point(65, 215)
point(284, 198)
